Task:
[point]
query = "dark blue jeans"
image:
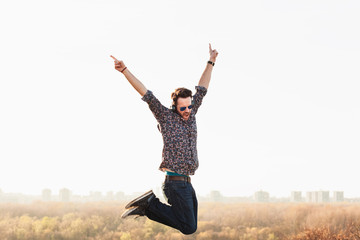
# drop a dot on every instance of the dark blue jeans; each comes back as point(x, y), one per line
point(182, 212)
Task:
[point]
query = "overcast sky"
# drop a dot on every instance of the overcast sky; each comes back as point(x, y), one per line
point(282, 112)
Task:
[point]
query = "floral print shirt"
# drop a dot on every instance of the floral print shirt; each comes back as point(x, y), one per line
point(179, 152)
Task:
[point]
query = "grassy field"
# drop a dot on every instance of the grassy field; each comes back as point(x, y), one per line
point(240, 221)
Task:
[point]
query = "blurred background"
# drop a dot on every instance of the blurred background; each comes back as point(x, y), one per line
point(281, 113)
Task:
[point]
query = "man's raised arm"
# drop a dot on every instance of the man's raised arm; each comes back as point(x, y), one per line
point(120, 66)
point(206, 76)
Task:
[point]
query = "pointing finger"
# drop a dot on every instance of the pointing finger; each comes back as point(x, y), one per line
point(114, 58)
point(210, 49)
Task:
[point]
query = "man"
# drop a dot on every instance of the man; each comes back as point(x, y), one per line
point(179, 157)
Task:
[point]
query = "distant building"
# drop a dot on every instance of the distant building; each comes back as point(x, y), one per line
point(64, 195)
point(95, 196)
point(312, 197)
point(296, 196)
point(46, 195)
point(215, 196)
point(110, 196)
point(308, 197)
point(119, 196)
point(1, 196)
point(317, 197)
point(323, 196)
point(338, 196)
point(261, 196)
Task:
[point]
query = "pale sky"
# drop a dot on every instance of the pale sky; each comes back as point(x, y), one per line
point(282, 112)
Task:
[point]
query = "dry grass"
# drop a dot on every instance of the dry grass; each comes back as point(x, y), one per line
point(240, 221)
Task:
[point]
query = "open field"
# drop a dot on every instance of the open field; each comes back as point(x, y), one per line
point(240, 221)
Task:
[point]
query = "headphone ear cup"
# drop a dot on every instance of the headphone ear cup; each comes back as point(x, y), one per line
point(173, 108)
point(192, 102)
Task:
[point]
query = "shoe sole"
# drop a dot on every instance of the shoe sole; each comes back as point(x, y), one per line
point(128, 212)
point(129, 205)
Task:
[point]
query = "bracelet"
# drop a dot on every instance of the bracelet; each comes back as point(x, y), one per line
point(123, 69)
point(211, 63)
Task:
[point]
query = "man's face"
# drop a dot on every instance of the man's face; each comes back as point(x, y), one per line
point(184, 102)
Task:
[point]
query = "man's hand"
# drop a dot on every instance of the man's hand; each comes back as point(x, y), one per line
point(119, 65)
point(213, 53)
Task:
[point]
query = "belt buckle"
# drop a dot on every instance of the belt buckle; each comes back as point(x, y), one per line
point(187, 179)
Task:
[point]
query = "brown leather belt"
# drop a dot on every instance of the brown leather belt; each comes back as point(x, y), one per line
point(177, 178)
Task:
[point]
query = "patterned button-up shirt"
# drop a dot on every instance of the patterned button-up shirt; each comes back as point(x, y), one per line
point(179, 153)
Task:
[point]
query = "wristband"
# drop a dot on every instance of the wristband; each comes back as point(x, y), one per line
point(211, 63)
point(123, 69)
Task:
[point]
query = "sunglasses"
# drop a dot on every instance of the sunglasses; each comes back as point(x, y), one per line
point(183, 108)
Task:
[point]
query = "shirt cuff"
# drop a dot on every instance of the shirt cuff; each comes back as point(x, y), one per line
point(201, 89)
point(147, 96)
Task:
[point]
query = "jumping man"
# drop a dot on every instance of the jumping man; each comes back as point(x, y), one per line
point(179, 157)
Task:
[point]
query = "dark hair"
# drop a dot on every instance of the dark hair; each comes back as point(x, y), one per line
point(180, 93)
